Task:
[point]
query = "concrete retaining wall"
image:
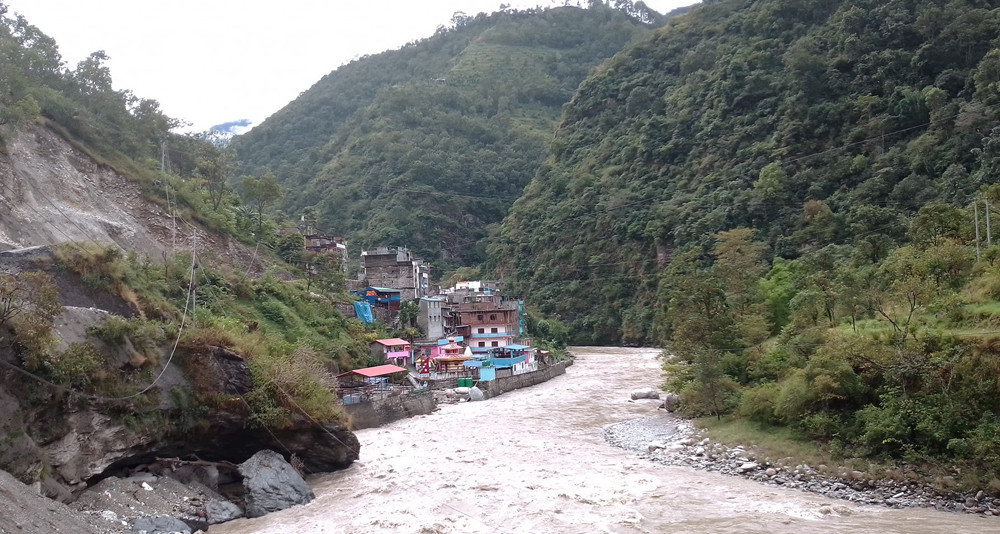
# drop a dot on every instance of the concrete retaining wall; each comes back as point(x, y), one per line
point(380, 412)
point(510, 383)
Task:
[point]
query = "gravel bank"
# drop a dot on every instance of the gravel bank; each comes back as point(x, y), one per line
point(671, 440)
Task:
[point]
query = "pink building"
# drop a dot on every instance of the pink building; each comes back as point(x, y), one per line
point(394, 350)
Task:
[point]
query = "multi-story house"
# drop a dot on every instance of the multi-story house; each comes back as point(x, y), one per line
point(396, 268)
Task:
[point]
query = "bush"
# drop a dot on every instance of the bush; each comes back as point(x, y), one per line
point(758, 403)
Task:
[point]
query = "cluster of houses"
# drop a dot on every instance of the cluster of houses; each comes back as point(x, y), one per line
point(471, 331)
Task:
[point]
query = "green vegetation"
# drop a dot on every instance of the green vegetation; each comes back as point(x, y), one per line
point(427, 146)
point(815, 124)
point(288, 335)
point(785, 194)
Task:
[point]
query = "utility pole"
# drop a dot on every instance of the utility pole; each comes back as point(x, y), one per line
point(989, 237)
point(975, 210)
point(163, 155)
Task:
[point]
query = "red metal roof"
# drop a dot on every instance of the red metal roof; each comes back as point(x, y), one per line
point(392, 342)
point(378, 370)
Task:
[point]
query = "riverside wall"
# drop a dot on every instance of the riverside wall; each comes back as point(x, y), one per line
point(509, 383)
point(384, 411)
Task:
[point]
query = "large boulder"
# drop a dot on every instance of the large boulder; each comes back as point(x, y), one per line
point(671, 401)
point(646, 393)
point(271, 484)
point(476, 394)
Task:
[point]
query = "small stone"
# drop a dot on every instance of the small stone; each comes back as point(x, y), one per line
point(147, 487)
point(748, 466)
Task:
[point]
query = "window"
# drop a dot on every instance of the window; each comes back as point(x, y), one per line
point(493, 330)
point(483, 330)
point(493, 317)
point(482, 343)
point(495, 344)
point(479, 317)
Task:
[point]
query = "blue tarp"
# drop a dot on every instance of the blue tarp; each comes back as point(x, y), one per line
point(364, 312)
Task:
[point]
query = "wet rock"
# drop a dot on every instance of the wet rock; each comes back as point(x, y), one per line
point(671, 402)
point(271, 484)
point(220, 511)
point(645, 393)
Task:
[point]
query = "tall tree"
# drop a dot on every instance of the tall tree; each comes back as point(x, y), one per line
point(259, 193)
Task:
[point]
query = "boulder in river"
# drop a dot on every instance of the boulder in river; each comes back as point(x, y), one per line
point(272, 484)
point(646, 393)
point(671, 401)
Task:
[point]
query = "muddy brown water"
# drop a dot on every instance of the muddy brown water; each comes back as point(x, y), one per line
point(535, 461)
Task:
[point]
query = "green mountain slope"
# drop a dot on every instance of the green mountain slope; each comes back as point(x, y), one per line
point(813, 122)
point(427, 146)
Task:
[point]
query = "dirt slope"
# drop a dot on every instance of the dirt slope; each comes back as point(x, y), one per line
point(51, 192)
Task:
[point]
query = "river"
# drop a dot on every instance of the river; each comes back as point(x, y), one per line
point(535, 461)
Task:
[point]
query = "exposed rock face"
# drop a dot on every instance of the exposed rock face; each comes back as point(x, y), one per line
point(271, 484)
point(227, 371)
point(92, 443)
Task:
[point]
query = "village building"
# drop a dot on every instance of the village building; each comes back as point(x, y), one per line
point(430, 320)
point(382, 297)
point(322, 243)
point(393, 350)
point(397, 268)
point(491, 324)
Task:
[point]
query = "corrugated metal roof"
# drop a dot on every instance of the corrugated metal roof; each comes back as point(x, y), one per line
point(385, 289)
point(378, 370)
point(392, 342)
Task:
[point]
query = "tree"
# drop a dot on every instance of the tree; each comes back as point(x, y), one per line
point(212, 168)
point(408, 313)
point(260, 193)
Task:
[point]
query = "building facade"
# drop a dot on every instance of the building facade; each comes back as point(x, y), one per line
point(431, 317)
point(396, 268)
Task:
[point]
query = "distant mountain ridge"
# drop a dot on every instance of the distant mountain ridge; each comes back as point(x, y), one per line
point(427, 146)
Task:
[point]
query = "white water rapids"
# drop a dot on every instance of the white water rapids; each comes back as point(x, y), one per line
point(535, 461)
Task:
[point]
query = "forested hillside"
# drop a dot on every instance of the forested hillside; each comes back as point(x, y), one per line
point(427, 146)
point(815, 123)
point(795, 198)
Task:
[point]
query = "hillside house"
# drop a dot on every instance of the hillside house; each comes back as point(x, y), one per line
point(394, 350)
point(382, 297)
point(398, 268)
point(431, 317)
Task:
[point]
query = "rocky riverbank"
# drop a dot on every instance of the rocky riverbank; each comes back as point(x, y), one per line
point(671, 440)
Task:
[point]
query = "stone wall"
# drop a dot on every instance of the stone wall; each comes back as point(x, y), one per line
point(509, 383)
point(384, 411)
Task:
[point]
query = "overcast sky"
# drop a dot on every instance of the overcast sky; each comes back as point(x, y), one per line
point(214, 61)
